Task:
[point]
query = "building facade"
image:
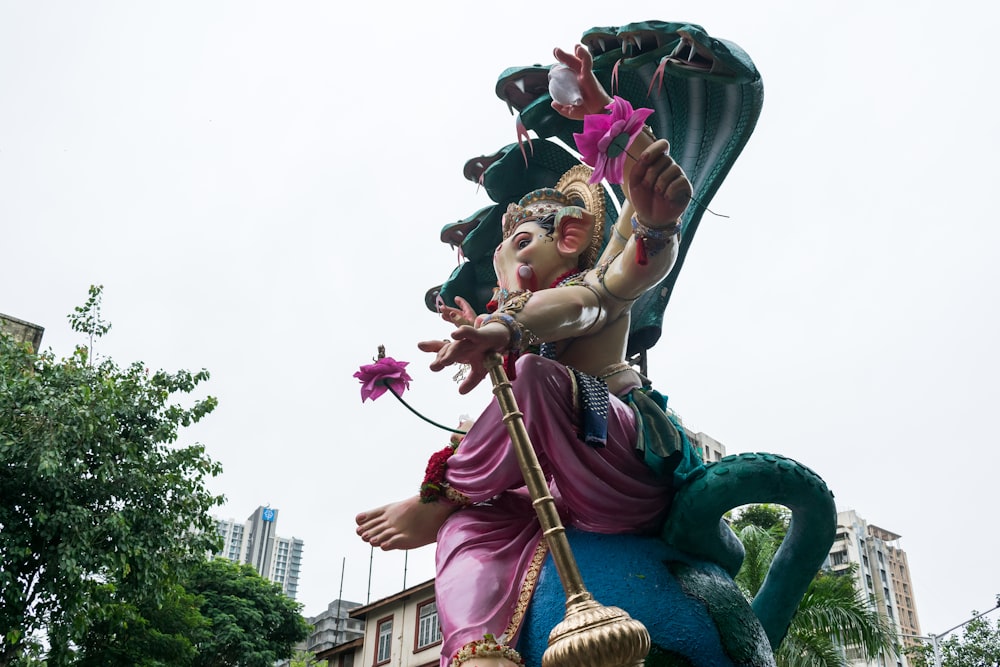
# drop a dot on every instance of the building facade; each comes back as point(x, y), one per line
point(334, 627)
point(21, 331)
point(401, 630)
point(882, 572)
point(710, 449)
point(255, 541)
point(336, 637)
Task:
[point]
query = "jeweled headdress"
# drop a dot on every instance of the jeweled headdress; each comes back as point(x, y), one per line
point(573, 189)
point(534, 205)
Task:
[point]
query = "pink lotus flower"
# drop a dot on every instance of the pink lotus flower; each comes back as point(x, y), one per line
point(606, 138)
point(384, 374)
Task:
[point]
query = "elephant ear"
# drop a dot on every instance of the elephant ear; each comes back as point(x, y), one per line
point(574, 230)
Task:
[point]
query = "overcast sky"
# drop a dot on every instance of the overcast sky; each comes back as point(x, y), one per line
point(260, 188)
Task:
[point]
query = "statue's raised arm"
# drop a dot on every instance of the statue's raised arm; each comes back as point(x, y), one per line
point(550, 235)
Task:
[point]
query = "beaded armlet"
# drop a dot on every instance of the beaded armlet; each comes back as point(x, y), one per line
point(649, 241)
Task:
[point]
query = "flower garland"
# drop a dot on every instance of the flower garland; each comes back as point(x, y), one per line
point(433, 486)
point(487, 647)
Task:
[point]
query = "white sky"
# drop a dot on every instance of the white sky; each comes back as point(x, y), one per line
point(260, 188)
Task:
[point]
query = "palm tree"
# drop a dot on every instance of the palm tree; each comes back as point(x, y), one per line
point(833, 613)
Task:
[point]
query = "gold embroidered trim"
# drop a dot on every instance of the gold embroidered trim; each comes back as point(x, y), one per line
point(527, 588)
point(456, 497)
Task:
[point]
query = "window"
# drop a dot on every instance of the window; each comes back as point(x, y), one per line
point(428, 628)
point(383, 650)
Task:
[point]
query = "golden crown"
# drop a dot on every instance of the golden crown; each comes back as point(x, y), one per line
point(573, 189)
point(534, 205)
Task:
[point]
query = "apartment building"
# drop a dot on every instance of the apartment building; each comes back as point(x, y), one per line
point(883, 573)
point(334, 627)
point(255, 541)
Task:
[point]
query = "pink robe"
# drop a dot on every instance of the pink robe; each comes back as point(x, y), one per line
point(489, 554)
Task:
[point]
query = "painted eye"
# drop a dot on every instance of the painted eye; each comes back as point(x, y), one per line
point(523, 243)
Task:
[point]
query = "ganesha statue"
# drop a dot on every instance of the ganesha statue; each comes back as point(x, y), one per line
point(579, 472)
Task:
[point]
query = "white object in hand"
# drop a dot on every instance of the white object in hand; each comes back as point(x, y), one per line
point(563, 86)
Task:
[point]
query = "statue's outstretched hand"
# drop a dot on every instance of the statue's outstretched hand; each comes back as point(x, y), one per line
point(468, 345)
point(464, 314)
point(595, 98)
point(658, 188)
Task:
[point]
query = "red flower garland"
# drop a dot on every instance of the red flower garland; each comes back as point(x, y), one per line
point(433, 485)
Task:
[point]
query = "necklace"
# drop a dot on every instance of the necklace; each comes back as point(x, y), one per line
point(567, 278)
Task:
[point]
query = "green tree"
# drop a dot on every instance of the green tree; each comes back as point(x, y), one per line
point(978, 646)
point(86, 319)
point(832, 614)
point(223, 614)
point(765, 516)
point(759, 547)
point(97, 503)
point(306, 659)
point(253, 623)
point(145, 631)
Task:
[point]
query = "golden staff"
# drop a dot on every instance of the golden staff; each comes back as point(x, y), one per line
point(590, 634)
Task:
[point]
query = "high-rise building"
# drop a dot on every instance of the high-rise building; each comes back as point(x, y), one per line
point(882, 573)
point(255, 541)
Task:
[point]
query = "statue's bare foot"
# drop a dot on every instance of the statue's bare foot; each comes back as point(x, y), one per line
point(407, 524)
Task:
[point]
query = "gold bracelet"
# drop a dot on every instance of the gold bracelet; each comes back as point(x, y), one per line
point(520, 335)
